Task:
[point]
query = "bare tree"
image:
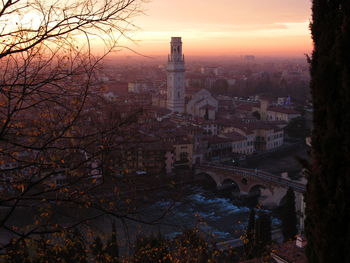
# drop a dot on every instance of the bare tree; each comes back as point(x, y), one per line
point(54, 154)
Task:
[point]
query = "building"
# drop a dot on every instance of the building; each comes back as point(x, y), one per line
point(274, 113)
point(217, 71)
point(209, 127)
point(176, 77)
point(203, 105)
point(239, 142)
point(219, 149)
point(278, 113)
point(238, 127)
point(151, 157)
point(261, 135)
point(183, 152)
point(267, 135)
point(140, 86)
point(244, 109)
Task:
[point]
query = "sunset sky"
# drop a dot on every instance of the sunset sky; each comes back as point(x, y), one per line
point(225, 27)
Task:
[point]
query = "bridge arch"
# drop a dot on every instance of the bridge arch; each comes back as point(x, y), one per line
point(213, 176)
point(223, 182)
point(270, 188)
point(232, 184)
point(256, 189)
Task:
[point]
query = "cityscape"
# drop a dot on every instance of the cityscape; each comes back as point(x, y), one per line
point(146, 156)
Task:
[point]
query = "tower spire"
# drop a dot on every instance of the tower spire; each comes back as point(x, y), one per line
point(176, 77)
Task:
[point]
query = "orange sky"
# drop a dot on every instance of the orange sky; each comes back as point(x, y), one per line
point(225, 27)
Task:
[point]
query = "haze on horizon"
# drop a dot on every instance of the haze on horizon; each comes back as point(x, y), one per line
point(226, 27)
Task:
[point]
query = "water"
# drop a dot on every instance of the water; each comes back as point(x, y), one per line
point(220, 217)
point(217, 216)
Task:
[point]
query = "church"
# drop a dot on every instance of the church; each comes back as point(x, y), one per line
point(202, 104)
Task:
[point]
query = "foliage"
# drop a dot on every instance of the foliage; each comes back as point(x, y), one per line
point(262, 233)
point(58, 140)
point(73, 249)
point(220, 86)
point(288, 215)
point(270, 85)
point(327, 202)
point(97, 250)
point(249, 237)
point(17, 252)
point(256, 115)
point(189, 247)
point(70, 247)
point(151, 249)
point(297, 128)
point(106, 253)
point(192, 247)
point(112, 249)
point(257, 237)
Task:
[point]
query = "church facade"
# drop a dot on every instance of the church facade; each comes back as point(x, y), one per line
point(203, 104)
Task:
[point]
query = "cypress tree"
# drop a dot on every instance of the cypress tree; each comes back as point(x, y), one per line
point(112, 249)
point(97, 250)
point(250, 236)
point(327, 222)
point(74, 250)
point(262, 233)
point(288, 216)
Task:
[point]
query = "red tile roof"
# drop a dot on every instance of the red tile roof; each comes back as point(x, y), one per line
point(183, 140)
point(245, 107)
point(235, 136)
point(217, 139)
point(282, 110)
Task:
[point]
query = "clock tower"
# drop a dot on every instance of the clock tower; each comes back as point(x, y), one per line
point(176, 77)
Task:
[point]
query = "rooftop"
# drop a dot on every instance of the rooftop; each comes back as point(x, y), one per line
point(234, 136)
point(282, 110)
point(217, 140)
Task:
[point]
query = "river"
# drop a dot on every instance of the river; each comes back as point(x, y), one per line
point(218, 215)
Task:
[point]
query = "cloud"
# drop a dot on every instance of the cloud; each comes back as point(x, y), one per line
point(226, 24)
point(217, 32)
point(230, 12)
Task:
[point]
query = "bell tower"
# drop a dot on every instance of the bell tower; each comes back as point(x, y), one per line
point(176, 77)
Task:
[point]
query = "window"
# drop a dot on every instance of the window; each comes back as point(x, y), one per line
point(184, 156)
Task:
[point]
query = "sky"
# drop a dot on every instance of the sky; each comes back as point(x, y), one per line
point(225, 27)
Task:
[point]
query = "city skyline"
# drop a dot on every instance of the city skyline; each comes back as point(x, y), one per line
point(229, 28)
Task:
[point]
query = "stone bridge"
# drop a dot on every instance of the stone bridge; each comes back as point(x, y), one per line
point(270, 188)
